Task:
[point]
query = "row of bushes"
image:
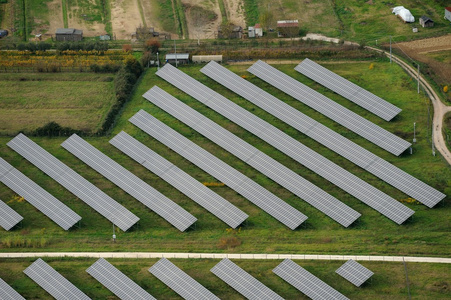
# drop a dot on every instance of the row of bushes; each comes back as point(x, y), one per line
point(63, 46)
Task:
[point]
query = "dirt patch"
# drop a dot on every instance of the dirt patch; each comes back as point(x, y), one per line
point(235, 12)
point(202, 26)
point(125, 18)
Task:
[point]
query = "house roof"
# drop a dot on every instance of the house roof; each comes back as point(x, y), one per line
point(179, 56)
point(288, 23)
point(448, 9)
point(65, 31)
point(426, 19)
point(257, 25)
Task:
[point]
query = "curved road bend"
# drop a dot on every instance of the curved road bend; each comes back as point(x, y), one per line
point(231, 256)
point(440, 109)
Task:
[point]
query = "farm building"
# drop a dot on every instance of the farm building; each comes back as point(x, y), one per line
point(177, 58)
point(426, 21)
point(206, 58)
point(251, 32)
point(258, 30)
point(3, 33)
point(404, 14)
point(235, 33)
point(448, 13)
point(69, 34)
point(287, 28)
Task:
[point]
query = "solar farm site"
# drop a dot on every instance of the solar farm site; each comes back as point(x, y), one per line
point(231, 160)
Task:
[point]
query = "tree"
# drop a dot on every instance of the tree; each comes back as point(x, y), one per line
point(226, 30)
point(267, 20)
point(152, 45)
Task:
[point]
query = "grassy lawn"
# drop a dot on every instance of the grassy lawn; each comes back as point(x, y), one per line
point(31, 100)
point(373, 234)
point(427, 281)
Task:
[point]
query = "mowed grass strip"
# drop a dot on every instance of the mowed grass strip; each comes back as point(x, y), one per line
point(29, 101)
point(427, 281)
point(425, 235)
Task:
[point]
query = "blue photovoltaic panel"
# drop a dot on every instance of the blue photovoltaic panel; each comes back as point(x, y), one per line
point(180, 282)
point(326, 136)
point(8, 293)
point(354, 272)
point(306, 282)
point(137, 188)
point(53, 282)
point(57, 211)
point(8, 216)
point(347, 89)
point(329, 108)
point(249, 189)
point(73, 182)
point(117, 282)
point(202, 195)
point(243, 282)
point(254, 157)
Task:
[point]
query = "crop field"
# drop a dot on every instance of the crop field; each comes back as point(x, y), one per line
point(75, 100)
point(426, 234)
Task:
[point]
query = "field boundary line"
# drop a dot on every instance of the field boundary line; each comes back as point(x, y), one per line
point(255, 256)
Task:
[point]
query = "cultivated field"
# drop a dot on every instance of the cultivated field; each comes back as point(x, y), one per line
point(31, 100)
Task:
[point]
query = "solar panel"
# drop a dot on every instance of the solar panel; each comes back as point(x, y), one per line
point(116, 281)
point(189, 186)
point(249, 189)
point(347, 89)
point(53, 282)
point(130, 183)
point(179, 281)
point(73, 182)
point(326, 136)
point(306, 282)
point(291, 147)
point(57, 211)
point(8, 293)
point(254, 157)
point(329, 108)
point(8, 216)
point(354, 272)
point(242, 282)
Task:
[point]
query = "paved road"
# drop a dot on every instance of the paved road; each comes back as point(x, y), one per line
point(440, 109)
point(231, 256)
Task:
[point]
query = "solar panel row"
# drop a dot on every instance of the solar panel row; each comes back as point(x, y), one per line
point(354, 272)
point(132, 184)
point(243, 282)
point(202, 195)
point(8, 293)
point(249, 189)
point(53, 282)
point(179, 281)
point(116, 281)
point(73, 182)
point(326, 136)
point(57, 211)
point(306, 282)
point(291, 147)
point(329, 108)
point(254, 157)
point(347, 89)
point(8, 216)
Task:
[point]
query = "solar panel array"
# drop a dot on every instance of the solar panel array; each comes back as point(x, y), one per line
point(53, 282)
point(306, 282)
point(57, 211)
point(249, 189)
point(329, 108)
point(326, 136)
point(8, 216)
point(347, 181)
point(73, 182)
point(137, 188)
point(116, 281)
point(347, 89)
point(254, 157)
point(354, 272)
point(242, 281)
point(189, 186)
point(8, 293)
point(179, 281)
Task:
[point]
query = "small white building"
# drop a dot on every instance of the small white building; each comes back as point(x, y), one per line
point(251, 32)
point(404, 14)
point(258, 30)
point(448, 13)
point(206, 58)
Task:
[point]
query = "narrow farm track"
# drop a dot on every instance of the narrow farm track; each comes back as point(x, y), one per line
point(440, 109)
point(443, 260)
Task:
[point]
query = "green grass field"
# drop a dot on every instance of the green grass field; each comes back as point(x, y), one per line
point(427, 281)
point(77, 100)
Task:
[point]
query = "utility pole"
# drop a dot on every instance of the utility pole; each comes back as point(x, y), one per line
point(175, 50)
point(390, 48)
point(114, 233)
point(414, 137)
point(158, 62)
